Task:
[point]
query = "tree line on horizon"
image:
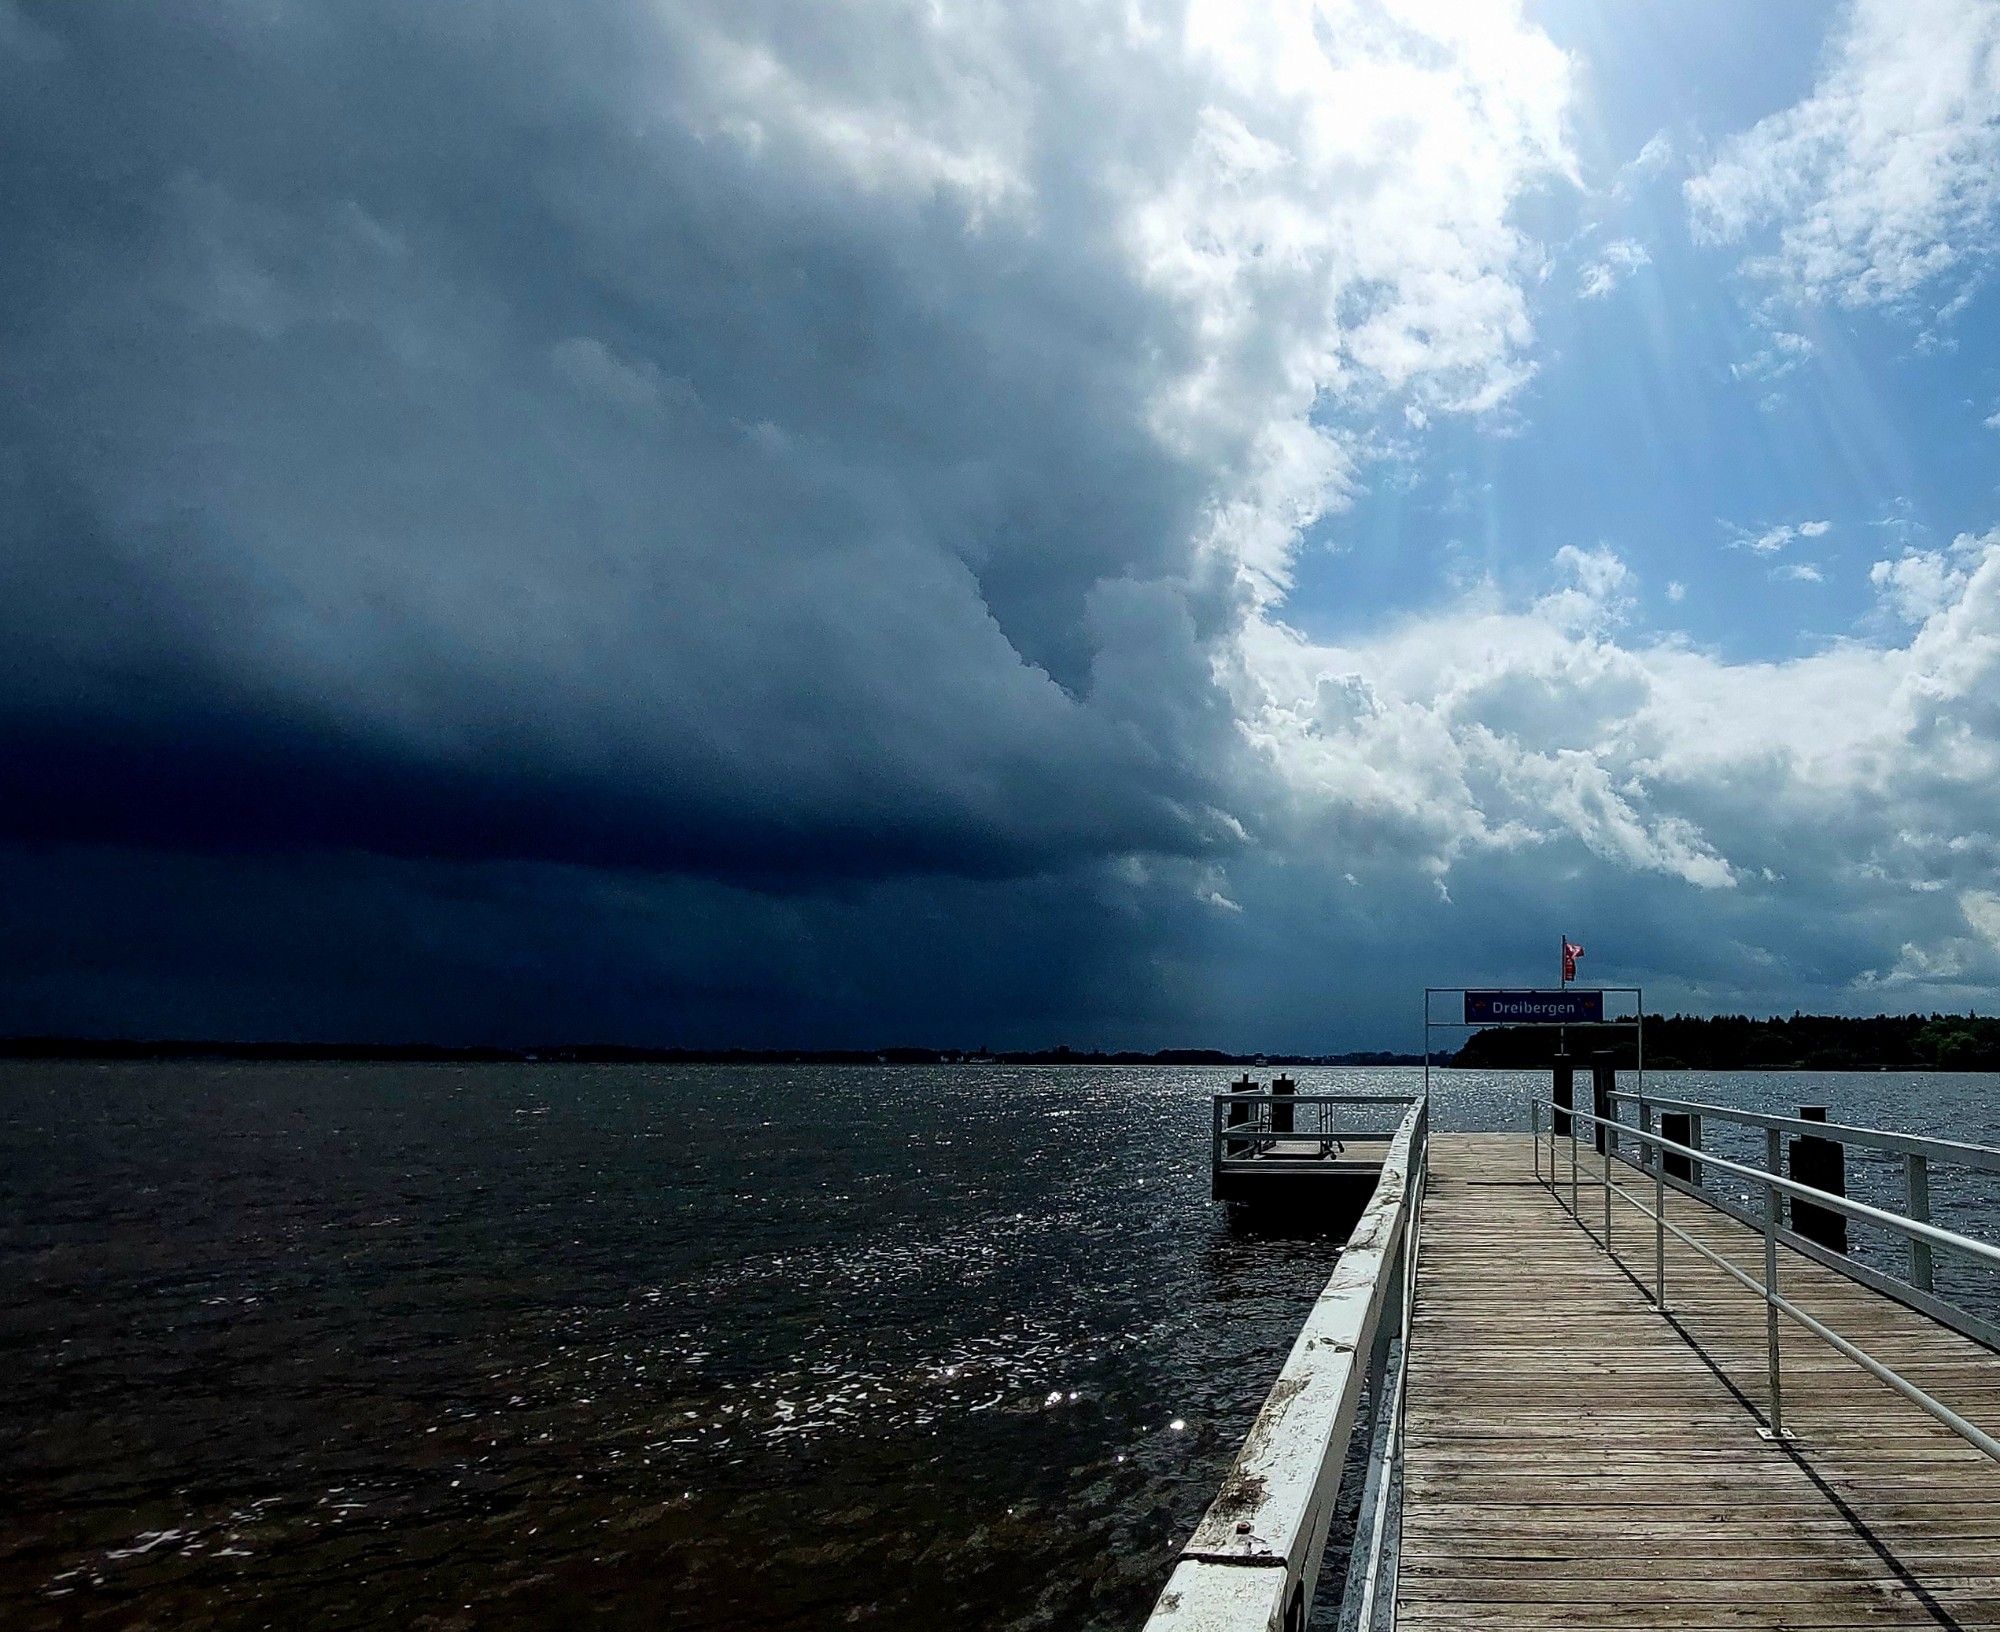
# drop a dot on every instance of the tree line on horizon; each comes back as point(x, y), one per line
point(1741, 1042)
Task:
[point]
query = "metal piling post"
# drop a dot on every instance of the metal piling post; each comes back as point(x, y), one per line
point(1771, 1162)
point(1650, 1154)
point(1573, 1213)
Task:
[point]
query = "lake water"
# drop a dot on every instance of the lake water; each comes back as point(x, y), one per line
point(321, 1346)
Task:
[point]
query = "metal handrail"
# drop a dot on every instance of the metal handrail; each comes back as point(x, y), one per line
point(1772, 1183)
point(1914, 1227)
point(1986, 1158)
point(1919, 1153)
point(1250, 1139)
point(1258, 1096)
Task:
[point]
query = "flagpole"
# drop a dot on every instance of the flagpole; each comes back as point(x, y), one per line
point(1562, 974)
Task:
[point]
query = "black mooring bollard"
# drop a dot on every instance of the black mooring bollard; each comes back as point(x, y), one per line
point(1237, 1113)
point(1281, 1115)
point(1564, 1095)
point(1677, 1125)
point(1821, 1163)
point(1603, 1084)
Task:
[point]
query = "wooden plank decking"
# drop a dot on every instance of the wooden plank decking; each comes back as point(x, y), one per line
point(1573, 1460)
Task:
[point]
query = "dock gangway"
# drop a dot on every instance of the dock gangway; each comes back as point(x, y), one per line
point(1554, 1387)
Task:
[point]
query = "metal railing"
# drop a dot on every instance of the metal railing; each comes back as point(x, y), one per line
point(1250, 1126)
point(1255, 1558)
point(1773, 1185)
point(1920, 1155)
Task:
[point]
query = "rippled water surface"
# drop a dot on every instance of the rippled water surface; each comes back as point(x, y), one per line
point(524, 1345)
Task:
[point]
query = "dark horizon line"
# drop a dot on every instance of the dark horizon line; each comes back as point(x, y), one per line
point(86, 1048)
point(1479, 1045)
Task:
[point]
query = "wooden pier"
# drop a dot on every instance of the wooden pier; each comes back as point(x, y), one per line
point(1586, 1427)
point(1575, 1458)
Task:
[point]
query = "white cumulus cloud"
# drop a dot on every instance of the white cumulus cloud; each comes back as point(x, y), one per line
point(1782, 352)
point(1615, 262)
point(1886, 176)
point(1848, 788)
point(1773, 539)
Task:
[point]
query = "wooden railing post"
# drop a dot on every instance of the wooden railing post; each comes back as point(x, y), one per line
point(1603, 1084)
point(1821, 1163)
point(1917, 1171)
point(1677, 1126)
point(1281, 1115)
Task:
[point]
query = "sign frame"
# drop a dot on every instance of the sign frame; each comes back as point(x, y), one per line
point(1635, 1021)
point(1530, 1006)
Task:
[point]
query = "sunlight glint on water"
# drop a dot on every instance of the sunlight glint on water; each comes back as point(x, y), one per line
point(774, 1347)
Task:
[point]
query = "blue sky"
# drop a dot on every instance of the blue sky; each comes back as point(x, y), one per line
point(1129, 523)
point(1660, 422)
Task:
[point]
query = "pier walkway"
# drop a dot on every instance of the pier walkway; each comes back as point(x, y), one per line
point(1574, 1458)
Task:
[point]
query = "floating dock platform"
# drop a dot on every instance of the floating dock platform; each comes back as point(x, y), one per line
point(1278, 1149)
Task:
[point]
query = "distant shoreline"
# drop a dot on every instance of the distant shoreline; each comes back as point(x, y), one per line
point(1725, 1043)
point(72, 1048)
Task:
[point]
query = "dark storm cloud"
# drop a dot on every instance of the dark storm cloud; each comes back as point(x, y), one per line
point(742, 521)
point(357, 946)
point(423, 440)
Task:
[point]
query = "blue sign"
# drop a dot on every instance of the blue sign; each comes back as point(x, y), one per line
point(1538, 1008)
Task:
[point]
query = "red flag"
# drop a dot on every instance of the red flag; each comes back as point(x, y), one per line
point(1571, 952)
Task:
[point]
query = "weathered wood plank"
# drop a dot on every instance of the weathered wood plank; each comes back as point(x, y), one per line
point(1574, 1460)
